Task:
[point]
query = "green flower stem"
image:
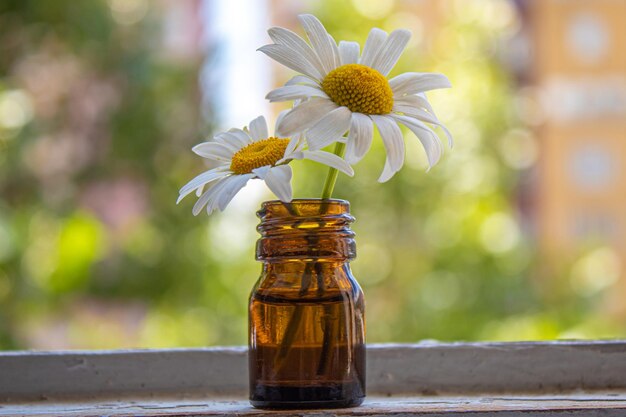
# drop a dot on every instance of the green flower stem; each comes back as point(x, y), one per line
point(328, 328)
point(331, 178)
point(310, 268)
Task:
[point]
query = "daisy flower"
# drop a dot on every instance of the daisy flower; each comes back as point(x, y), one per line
point(237, 156)
point(340, 90)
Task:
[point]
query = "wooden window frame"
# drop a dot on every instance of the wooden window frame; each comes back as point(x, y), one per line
point(565, 378)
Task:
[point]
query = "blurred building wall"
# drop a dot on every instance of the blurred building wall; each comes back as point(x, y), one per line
point(579, 68)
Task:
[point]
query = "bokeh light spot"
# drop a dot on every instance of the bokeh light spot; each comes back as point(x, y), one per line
point(596, 271)
point(5, 285)
point(373, 9)
point(15, 109)
point(519, 149)
point(499, 233)
point(128, 12)
point(440, 290)
point(374, 263)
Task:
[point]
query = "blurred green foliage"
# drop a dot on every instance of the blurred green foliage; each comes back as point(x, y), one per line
point(94, 253)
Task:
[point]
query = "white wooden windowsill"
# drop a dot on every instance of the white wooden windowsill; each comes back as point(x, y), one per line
point(428, 379)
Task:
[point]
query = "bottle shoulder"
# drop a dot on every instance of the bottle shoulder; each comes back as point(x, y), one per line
point(308, 282)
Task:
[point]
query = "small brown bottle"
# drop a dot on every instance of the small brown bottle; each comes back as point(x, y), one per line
point(306, 311)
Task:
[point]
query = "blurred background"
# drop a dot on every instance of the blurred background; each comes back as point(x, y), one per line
point(518, 234)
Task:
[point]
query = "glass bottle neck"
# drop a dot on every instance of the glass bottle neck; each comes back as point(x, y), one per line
point(308, 230)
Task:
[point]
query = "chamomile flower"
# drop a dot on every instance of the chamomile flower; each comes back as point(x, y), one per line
point(238, 156)
point(341, 91)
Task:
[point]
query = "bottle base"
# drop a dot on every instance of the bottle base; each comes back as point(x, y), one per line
point(305, 397)
point(300, 405)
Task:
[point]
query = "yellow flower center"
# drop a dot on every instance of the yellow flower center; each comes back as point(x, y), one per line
point(361, 89)
point(258, 154)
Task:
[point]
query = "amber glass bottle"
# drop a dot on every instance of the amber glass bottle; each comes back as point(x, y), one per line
point(306, 312)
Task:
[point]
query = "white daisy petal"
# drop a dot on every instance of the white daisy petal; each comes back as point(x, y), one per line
point(258, 129)
point(216, 163)
point(293, 92)
point(428, 138)
point(213, 150)
point(201, 180)
point(359, 138)
point(416, 112)
point(329, 128)
point(321, 41)
point(329, 159)
point(421, 98)
point(387, 173)
point(279, 118)
point(415, 100)
point(301, 144)
point(424, 116)
point(304, 115)
point(291, 59)
point(278, 180)
point(208, 196)
point(416, 82)
point(448, 134)
point(217, 194)
point(349, 52)
point(292, 148)
point(392, 139)
point(233, 187)
point(302, 79)
point(391, 50)
point(262, 171)
point(297, 44)
point(235, 136)
point(241, 134)
point(228, 141)
point(373, 44)
point(335, 48)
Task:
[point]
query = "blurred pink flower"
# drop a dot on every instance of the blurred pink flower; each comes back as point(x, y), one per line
point(119, 203)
